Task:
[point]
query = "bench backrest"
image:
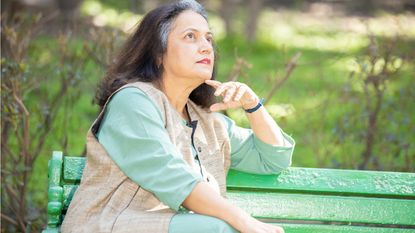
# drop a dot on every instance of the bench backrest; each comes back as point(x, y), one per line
point(300, 199)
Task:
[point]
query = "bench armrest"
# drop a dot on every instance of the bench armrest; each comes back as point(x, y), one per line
point(55, 190)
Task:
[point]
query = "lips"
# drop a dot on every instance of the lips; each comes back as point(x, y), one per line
point(204, 61)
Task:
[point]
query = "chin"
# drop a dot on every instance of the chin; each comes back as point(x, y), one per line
point(202, 76)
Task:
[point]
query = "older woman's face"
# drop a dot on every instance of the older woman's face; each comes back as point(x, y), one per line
point(189, 49)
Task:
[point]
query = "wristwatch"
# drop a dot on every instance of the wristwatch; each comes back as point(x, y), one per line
point(251, 110)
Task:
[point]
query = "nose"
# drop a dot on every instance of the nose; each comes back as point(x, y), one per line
point(205, 47)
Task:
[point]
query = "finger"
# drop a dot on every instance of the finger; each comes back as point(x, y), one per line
point(223, 106)
point(213, 83)
point(220, 90)
point(229, 94)
point(223, 88)
point(241, 91)
point(279, 229)
point(218, 107)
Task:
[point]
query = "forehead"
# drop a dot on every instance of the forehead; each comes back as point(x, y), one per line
point(190, 19)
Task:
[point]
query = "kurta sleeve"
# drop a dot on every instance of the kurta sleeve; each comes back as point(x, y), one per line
point(134, 136)
point(250, 154)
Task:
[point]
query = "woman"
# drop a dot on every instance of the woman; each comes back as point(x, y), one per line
point(157, 150)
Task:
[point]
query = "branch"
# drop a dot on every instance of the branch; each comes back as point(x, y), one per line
point(26, 128)
point(237, 68)
point(288, 70)
point(14, 195)
point(95, 57)
point(7, 218)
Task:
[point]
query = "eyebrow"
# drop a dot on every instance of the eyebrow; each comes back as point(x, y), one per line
point(195, 30)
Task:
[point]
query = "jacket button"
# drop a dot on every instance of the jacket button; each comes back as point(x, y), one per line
point(199, 149)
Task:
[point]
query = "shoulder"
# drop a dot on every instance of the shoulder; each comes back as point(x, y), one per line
point(128, 96)
point(132, 100)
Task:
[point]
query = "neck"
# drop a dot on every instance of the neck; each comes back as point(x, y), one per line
point(177, 91)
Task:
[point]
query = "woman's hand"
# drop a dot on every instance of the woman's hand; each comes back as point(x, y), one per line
point(235, 94)
point(240, 95)
point(203, 199)
point(255, 226)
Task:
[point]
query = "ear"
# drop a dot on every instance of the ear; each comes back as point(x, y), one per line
point(159, 61)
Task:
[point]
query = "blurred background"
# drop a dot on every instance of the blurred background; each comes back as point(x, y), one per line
point(337, 75)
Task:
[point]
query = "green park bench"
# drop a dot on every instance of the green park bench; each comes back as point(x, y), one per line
point(299, 199)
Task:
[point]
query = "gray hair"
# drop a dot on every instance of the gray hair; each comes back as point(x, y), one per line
point(176, 9)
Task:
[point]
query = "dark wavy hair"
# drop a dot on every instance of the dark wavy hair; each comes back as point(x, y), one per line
point(137, 60)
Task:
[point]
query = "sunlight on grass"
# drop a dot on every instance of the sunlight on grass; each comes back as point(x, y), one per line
point(280, 110)
point(391, 25)
point(45, 57)
point(105, 16)
point(340, 34)
point(302, 32)
point(217, 26)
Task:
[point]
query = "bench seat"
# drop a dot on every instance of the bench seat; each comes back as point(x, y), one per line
point(298, 199)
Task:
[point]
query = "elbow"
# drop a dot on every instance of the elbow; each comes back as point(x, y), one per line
point(275, 170)
point(282, 162)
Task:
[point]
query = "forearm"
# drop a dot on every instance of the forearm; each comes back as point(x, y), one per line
point(265, 128)
point(205, 200)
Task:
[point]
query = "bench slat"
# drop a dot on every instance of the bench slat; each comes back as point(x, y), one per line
point(308, 228)
point(325, 207)
point(68, 192)
point(343, 182)
point(72, 168)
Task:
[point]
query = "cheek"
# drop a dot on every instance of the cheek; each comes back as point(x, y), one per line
point(186, 56)
point(180, 52)
point(174, 57)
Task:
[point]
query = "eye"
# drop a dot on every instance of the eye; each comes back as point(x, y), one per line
point(210, 39)
point(190, 35)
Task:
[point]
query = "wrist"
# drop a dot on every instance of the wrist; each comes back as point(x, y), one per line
point(255, 107)
point(236, 217)
point(251, 104)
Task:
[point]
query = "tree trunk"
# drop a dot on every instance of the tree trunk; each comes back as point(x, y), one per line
point(254, 11)
point(226, 12)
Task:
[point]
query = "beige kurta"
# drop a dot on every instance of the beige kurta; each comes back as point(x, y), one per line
point(108, 201)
